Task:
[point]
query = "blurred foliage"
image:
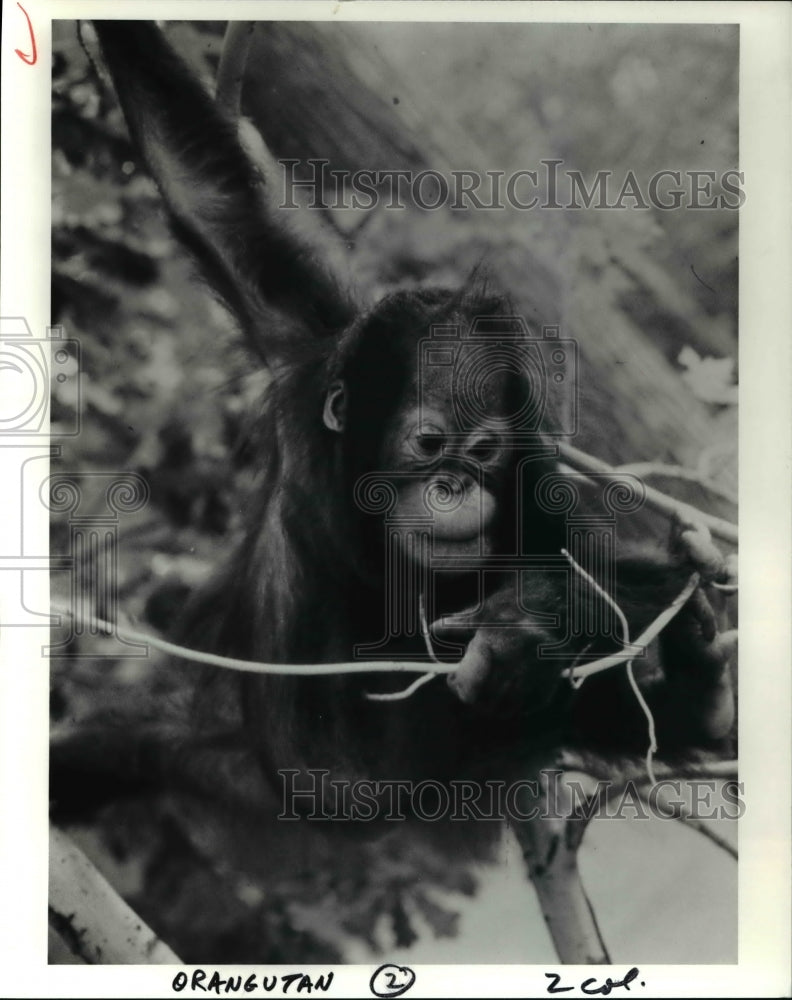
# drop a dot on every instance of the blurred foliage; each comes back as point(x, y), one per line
point(168, 391)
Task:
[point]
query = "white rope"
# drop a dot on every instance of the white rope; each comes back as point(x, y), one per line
point(643, 640)
point(650, 722)
point(252, 666)
point(408, 691)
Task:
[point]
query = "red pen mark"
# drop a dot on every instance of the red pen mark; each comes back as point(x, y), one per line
point(29, 59)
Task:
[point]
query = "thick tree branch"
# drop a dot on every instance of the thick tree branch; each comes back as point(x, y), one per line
point(91, 918)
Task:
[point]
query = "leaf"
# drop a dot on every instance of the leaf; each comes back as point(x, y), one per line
point(711, 379)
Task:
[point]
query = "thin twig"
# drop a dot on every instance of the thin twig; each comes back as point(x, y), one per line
point(409, 691)
point(404, 693)
point(630, 768)
point(643, 640)
point(641, 469)
point(709, 833)
point(637, 693)
point(359, 667)
point(582, 462)
point(252, 666)
point(683, 814)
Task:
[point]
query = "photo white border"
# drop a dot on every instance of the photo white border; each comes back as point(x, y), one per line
point(765, 875)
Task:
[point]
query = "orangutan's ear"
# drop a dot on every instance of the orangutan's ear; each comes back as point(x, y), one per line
point(335, 406)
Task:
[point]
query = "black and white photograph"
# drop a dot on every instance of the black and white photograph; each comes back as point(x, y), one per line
point(384, 506)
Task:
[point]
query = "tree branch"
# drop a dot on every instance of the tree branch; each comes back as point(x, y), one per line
point(550, 845)
point(582, 462)
point(91, 918)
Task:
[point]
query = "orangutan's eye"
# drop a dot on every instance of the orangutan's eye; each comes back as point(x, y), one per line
point(428, 441)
